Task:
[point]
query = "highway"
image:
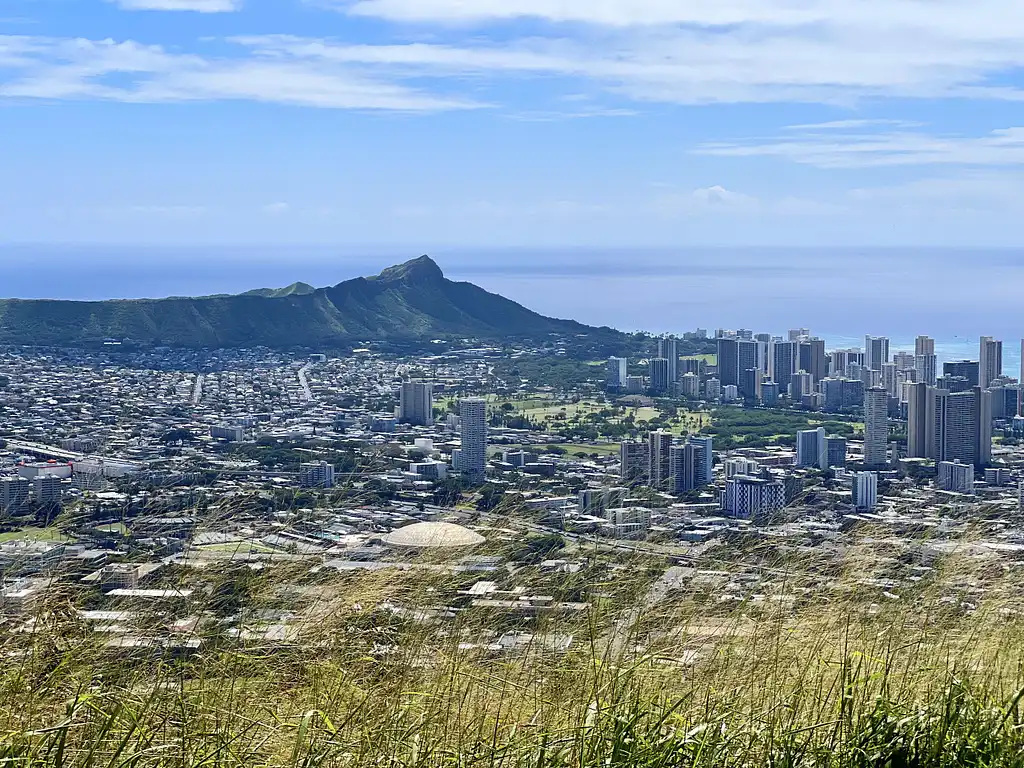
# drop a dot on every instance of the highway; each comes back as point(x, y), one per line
point(304, 382)
point(43, 451)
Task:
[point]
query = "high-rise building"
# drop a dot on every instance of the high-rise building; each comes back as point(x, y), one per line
point(842, 393)
point(920, 421)
point(963, 426)
point(795, 334)
point(927, 368)
point(694, 365)
point(1004, 400)
point(763, 348)
point(966, 369)
point(659, 462)
point(812, 448)
point(728, 361)
point(597, 501)
point(783, 360)
point(618, 370)
point(769, 393)
point(705, 447)
point(684, 467)
point(841, 359)
point(801, 384)
point(925, 345)
point(316, 474)
point(746, 356)
point(633, 462)
point(748, 497)
point(865, 490)
point(740, 466)
point(750, 384)
point(14, 495)
point(953, 383)
point(903, 361)
point(713, 388)
point(689, 385)
point(876, 427)
point(813, 358)
point(417, 403)
point(836, 451)
point(990, 361)
point(48, 490)
point(876, 352)
point(659, 375)
point(668, 348)
point(956, 476)
point(889, 378)
point(473, 431)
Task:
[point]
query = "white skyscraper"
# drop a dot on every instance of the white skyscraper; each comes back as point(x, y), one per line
point(473, 455)
point(876, 427)
point(417, 403)
point(955, 476)
point(865, 490)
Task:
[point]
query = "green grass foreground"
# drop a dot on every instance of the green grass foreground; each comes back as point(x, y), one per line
point(842, 677)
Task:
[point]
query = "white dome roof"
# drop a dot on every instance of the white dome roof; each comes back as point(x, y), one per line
point(428, 535)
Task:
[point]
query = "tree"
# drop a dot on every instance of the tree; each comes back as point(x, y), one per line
point(448, 492)
point(490, 497)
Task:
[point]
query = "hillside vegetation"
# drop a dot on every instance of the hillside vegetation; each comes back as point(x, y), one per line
point(410, 301)
point(867, 658)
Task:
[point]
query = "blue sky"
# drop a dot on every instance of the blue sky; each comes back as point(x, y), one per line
point(432, 123)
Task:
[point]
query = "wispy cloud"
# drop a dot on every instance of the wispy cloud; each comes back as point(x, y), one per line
point(751, 61)
point(831, 150)
point(197, 6)
point(836, 125)
point(834, 52)
point(128, 71)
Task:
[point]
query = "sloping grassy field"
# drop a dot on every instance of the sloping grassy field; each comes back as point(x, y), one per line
point(866, 656)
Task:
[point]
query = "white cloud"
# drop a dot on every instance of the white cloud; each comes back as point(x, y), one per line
point(948, 15)
point(50, 68)
point(866, 150)
point(198, 6)
point(276, 209)
point(755, 62)
point(837, 52)
point(853, 124)
point(695, 51)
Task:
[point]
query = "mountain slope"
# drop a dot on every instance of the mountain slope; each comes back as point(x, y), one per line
point(409, 301)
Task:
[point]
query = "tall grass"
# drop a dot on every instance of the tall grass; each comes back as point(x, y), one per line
point(823, 672)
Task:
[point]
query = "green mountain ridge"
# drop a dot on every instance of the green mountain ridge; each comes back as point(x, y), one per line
point(408, 301)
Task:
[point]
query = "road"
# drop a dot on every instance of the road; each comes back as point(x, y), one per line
point(304, 382)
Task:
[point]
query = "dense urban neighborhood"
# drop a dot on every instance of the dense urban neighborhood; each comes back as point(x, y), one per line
point(128, 474)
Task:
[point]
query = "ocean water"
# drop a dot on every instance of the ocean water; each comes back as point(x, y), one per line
point(841, 294)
